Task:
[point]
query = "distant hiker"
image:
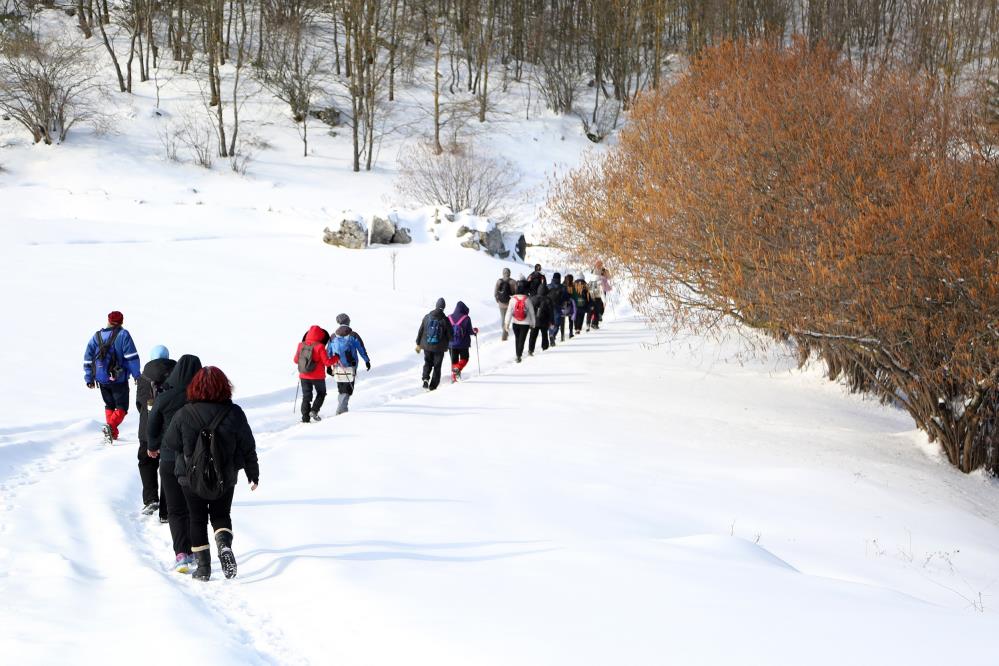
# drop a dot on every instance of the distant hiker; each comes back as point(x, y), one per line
point(312, 361)
point(596, 313)
point(433, 340)
point(213, 441)
point(581, 297)
point(108, 361)
point(150, 384)
point(568, 307)
point(347, 347)
point(505, 288)
point(542, 319)
point(521, 315)
point(166, 404)
point(535, 280)
point(556, 293)
point(461, 339)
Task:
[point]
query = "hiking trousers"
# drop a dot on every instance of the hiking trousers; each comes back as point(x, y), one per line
point(176, 508)
point(520, 332)
point(503, 308)
point(308, 386)
point(534, 339)
point(432, 362)
point(219, 511)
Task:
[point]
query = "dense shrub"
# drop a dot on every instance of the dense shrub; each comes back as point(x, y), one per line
point(855, 216)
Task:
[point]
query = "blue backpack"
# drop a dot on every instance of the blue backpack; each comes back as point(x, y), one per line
point(435, 331)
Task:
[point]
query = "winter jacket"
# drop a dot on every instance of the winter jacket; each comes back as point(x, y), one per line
point(168, 402)
point(581, 296)
point(556, 294)
point(120, 361)
point(347, 346)
point(446, 332)
point(239, 450)
point(543, 313)
point(498, 293)
point(461, 327)
point(534, 282)
point(530, 320)
point(595, 290)
point(153, 377)
point(321, 361)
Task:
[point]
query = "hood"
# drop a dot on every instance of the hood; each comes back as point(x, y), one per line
point(343, 331)
point(187, 366)
point(314, 335)
point(460, 311)
point(543, 290)
point(556, 279)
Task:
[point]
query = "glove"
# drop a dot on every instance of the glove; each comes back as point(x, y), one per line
point(329, 370)
point(475, 331)
point(418, 350)
point(367, 366)
point(90, 385)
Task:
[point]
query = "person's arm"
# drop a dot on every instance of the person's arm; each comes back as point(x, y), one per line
point(88, 361)
point(173, 440)
point(532, 314)
point(361, 349)
point(130, 354)
point(298, 350)
point(509, 311)
point(496, 290)
point(419, 334)
point(154, 427)
point(247, 447)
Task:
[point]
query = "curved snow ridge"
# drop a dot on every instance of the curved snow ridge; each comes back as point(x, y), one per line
point(729, 550)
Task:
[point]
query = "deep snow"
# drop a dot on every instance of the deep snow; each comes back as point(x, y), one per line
point(620, 499)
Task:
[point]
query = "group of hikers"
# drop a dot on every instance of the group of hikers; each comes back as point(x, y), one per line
point(193, 440)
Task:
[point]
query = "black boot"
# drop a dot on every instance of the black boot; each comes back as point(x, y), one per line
point(204, 560)
point(223, 539)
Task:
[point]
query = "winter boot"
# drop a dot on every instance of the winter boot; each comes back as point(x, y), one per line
point(117, 417)
point(315, 416)
point(150, 508)
point(426, 384)
point(108, 436)
point(185, 561)
point(203, 558)
point(223, 539)
point(506, 336)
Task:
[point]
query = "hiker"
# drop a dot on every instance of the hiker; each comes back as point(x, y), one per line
point(108, 361)
point(347, 347)
point(505, 288)
point(535, 280)
point(596, 313)
point(166, 404)
point(568, 307)
point(433, 340)
point(542, 319)
point(461, 339)
point(312, 361)
point(210, 409)
point(581, 297)
point(521, 315)
point(555, 295)
point(150, 384)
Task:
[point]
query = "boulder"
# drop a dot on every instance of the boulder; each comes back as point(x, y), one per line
point(471, 244)
point(462, 230)
point(382, 231)
point(494, 242)
point(327, 115)
point(351, 234)
point(401, 236)
point(449, 217)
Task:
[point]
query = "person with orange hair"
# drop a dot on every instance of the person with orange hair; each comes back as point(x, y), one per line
point(210, 410)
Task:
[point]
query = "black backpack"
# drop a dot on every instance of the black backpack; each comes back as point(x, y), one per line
point(504, 291)
point(204, 469)
point(305, 361)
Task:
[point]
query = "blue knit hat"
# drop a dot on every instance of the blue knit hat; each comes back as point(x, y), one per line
point(159, 351)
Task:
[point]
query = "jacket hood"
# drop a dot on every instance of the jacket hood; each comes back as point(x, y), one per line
point(556, 279)
point(460, 311)
point(314, 335)
point(187, 366)
point(343, 331)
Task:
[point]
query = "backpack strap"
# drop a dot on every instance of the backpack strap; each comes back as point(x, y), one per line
point(216, 421)
point(458, 323)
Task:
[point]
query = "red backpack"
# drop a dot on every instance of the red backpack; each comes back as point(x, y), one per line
point(520, 308)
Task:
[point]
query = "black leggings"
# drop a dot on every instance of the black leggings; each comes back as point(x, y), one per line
point(580, 317)
point(458, 355)
point(201, 510)
point(176, 508)
point(308, 405)
point(432, 362)
point(534, 339)
point(520, 332)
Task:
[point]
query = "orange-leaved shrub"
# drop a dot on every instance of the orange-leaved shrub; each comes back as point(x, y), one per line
point(852, 215)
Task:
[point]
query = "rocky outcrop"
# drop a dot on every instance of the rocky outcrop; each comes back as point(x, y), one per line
point(351, 234)
point(382, 231)
point(401, 236)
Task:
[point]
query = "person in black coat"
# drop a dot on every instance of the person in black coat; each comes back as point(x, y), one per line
point(433, 340)
point(542, 320)
point(166, 404)
point(210, 404)
point(150, 382)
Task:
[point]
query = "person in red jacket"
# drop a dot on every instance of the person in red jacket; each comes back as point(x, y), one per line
point(312, 362)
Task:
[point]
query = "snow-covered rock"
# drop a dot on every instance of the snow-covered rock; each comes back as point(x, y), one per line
point(351, 234)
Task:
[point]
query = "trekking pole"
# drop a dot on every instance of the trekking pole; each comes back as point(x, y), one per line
point(478, 361)
point(295, 404)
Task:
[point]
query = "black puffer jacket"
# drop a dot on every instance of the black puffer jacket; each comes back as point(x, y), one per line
point(167, 403)
point(152, 379)
point(239, 450)
point(446, 332)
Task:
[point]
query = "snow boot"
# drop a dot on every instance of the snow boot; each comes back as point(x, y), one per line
point(150, 508)
point(315, 416)
point(203, 558)
point(106, 431)
point(506, 336)
point(223, 539)
point(305, 418)
point(184, 564)
point(117, 417)
point(426, 384)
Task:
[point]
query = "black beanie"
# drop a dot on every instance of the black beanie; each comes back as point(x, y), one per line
point(441, 304)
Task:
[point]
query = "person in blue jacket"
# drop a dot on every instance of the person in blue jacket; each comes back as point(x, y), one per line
point(346, 344)
point(110, 359)
point(461, 340)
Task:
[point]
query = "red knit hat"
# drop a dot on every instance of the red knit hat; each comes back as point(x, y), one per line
point(115, 318)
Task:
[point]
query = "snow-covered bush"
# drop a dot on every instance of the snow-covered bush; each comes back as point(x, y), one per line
point(47, 86)
point(459, 178)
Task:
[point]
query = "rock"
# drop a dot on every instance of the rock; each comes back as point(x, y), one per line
point(351, 234)
point(327, 115)
point(449, 217)
point(462, 230)
point(402, 236)
point(494, 242)
point(521, 247)
point(382, 231)
point(472, 244)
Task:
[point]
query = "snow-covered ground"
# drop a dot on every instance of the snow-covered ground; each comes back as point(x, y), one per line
point(617, 500)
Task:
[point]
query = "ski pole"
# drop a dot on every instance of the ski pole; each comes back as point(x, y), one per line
point(295, 404)
point(478, 360)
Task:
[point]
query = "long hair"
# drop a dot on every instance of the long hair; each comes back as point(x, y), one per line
point(209, 385)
